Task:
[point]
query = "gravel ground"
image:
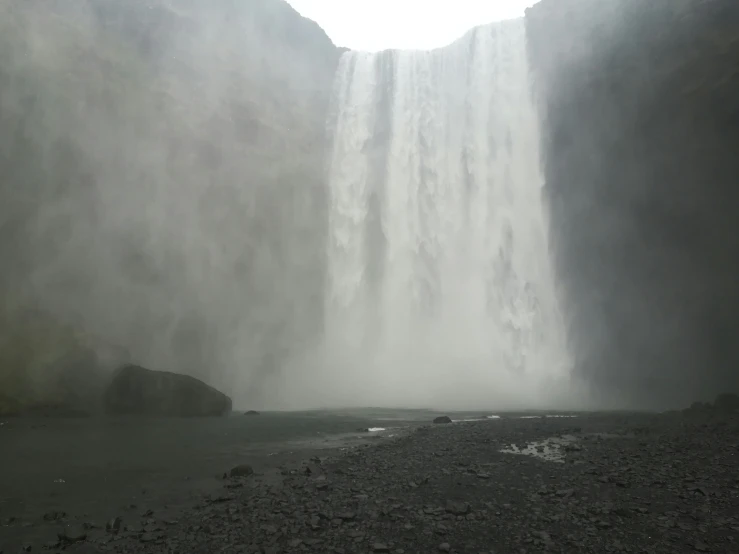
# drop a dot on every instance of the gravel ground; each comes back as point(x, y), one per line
point(611, 483)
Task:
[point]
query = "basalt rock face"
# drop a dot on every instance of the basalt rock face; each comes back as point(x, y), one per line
point(136, 390)
point(641, 134)
point(162, 178)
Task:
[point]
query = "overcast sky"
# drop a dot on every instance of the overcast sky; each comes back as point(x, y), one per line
point(379, 24)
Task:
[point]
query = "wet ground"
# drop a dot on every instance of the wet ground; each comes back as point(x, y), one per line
point(97, 468)
point(91, 470)
point(630, 483)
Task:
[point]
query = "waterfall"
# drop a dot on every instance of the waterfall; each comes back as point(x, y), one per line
point(440, 287)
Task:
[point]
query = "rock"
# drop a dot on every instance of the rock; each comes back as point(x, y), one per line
point(72, 533)
point(251, 413)
point(242, 470)
point(457, 508)
point(67, 379)
point(149, 537)
point(442, 419)
point(727, 402)
point(698, 407)
point(135, 390)
point(114, 525)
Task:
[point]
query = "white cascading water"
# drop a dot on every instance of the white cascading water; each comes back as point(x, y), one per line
point(440, 286)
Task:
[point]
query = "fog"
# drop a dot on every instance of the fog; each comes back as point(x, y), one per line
point(175, 214)
point(157, 198)
point(207, 189)
point(641, 173)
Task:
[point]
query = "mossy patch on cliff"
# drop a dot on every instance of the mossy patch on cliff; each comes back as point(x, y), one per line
point(45, 366)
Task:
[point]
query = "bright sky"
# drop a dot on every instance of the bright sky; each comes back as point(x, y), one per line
point(380, 24)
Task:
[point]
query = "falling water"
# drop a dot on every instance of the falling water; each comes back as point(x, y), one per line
point(439, 277)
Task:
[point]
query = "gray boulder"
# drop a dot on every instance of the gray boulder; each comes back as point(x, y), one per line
point(443, 419)
point(135, 390)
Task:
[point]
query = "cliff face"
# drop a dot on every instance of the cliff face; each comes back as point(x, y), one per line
point(641, 134)
point(161, 180)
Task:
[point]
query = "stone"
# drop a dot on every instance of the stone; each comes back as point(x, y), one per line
point(442, 419)
point(135, 390)
point(698, 407)
point(457, 508)
point(242, 470)
point(114, 525)
point(251, 413)
point(72, 533)
point(727, 402)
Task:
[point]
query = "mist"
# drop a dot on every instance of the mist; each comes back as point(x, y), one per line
point(178, 211)
point(218, 190)
point(148, 204)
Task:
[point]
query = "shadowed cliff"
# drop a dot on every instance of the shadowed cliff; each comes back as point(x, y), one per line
point(161, 185)
point(640, 102)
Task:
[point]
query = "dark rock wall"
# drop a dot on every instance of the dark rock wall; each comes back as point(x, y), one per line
point(640, 104)
point(162, 182)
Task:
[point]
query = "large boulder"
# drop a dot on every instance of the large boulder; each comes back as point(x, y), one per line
point(135, 390)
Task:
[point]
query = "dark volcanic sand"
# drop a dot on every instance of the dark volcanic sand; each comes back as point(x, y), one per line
point(630, 483)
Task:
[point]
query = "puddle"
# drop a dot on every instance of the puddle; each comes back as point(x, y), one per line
point(371, 429)
point(481, 418)
point(539, 416)
point(543, 416)
point(550, 450)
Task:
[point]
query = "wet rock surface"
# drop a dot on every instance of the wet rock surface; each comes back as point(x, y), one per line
point(639, 138)
point(135, 390)
point(629, 483)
